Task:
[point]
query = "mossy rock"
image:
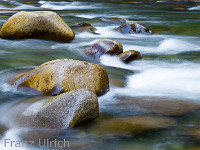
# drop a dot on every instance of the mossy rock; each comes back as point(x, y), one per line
point(58, 112)
point(37, 24)
point(104, 46)
point(129, 56)
point(132, 28)
point(63, 75)
point(132, 125)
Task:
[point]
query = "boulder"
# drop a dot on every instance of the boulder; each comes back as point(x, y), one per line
point(132, 125)
point(131, 28)
point(129, 56)
point(158, 105)
point(63, 75)
point(104, 46)
point(37, 24)
point(66, 110)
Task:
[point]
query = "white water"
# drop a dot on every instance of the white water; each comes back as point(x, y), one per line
point(195, 8)
point(157, 78)
point(66, 5)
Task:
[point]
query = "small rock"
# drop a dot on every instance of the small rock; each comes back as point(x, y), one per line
point(66, 110)
point(158, 105)
point(131, 28)
point(63, 75)
point(132, 124)
point(129, 56)
point(104, 46)
point(37, 24)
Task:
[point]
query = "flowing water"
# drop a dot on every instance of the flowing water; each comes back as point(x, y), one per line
point(170, 67)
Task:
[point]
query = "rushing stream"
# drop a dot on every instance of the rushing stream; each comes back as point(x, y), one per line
point(170, 68)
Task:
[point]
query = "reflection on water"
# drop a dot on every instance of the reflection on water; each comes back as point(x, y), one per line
point(170, 68)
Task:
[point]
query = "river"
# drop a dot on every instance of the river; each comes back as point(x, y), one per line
point(170, 67)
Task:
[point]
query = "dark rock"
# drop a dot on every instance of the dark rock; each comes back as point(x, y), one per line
point(131, 28)
point(104, 46)
point(129, 56)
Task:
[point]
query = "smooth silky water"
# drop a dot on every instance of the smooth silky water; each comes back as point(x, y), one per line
point(170, 68)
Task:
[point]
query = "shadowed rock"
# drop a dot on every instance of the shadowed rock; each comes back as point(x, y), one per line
point(131, 28)
point(37, 24)
point(63, 75)
point(104, 46)
point(129, 56)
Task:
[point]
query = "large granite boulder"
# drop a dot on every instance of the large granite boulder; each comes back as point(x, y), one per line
point(65, 110)
point(37, 24)
point(63, 75)
point(104, 46)
point(131, 28)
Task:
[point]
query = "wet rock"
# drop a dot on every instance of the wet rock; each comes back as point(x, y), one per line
point(132, 125)
point(63, 75)
point(66, 110)
point(104, 46)
point(114, 20)
point(129, 56)
point(84, 26)
point(158, 105)
point(131, 28)
point(37, 24)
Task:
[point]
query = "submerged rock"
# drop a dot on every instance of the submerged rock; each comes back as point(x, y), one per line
point(129, 56)
point(37, 24)
point(131, 28)
point(114, 20)
point(84, 26)
point(104, 46)
point(66, 110)
point(158, 105)
point(63, 75)
point(194, 133)
point(132, 124)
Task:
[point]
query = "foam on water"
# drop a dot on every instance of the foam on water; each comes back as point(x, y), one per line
point(66, 5)
point(195, 8)
point(157, 78)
